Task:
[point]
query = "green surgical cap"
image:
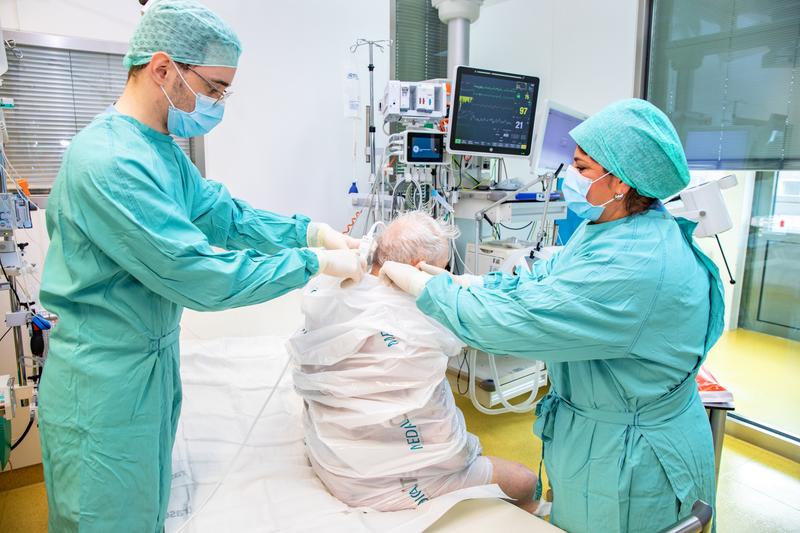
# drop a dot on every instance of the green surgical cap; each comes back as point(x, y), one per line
point(636, 142)
point(186, 30)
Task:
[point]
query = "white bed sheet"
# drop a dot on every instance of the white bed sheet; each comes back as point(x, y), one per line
point(272, 486)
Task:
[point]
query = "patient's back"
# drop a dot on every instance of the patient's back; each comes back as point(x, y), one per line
point(371, 369)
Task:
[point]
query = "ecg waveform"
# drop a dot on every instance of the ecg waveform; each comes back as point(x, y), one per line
point(471, 117)
point(494, 113)
point(487, 89)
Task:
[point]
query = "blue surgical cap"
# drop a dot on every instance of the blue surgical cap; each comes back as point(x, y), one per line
point(186, 30)
point(635, 141)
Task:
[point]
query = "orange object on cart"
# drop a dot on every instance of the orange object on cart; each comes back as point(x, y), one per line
point(711, 391)
point(23, 184)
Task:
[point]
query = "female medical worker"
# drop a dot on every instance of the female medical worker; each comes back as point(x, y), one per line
point(624, 316)
point(132, 224)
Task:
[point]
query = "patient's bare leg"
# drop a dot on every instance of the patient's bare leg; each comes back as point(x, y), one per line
point(517, 481)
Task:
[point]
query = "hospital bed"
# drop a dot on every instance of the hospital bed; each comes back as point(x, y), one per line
point(229, 364)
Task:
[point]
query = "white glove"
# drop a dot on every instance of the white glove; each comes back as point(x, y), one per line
point(465, 280)
point(406, 277)
point(344, 264)
point(323, 236)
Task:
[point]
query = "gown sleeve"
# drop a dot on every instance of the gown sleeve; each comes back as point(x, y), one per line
point(148, 233)
point(584, 311)
point(232, 224)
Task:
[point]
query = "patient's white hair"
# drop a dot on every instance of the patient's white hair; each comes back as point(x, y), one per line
point(414, 237)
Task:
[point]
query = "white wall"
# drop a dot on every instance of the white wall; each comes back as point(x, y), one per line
point(285, 144)
point(583, 51)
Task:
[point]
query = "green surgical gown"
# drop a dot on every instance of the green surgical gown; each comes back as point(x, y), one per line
point(624, 316)
point(132, 224)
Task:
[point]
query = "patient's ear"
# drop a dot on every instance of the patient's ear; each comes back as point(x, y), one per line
point(415, 262)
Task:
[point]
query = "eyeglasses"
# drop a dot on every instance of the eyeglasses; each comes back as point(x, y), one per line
point(213, 87)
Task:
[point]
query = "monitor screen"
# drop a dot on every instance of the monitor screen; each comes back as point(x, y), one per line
point(424, 147)
point(492, 113)
point(557, 146)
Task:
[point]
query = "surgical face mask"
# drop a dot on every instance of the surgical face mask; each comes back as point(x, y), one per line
point(207, 114)
point(576, 187)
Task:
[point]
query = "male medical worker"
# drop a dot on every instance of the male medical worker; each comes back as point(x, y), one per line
point(133, 228)
point(624, 315)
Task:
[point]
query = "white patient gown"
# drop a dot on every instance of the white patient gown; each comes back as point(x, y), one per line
point(381, 425)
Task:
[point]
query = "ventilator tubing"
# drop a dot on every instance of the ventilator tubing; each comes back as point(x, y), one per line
point(522, 407)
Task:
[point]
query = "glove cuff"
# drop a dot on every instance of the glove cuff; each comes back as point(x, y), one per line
point(322, 259)
point(418, 282)
point(469, 280)
point(313, 235)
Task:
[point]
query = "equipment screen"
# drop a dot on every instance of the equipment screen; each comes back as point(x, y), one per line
point(557, 146)
point(424, 147)
point(492, 113)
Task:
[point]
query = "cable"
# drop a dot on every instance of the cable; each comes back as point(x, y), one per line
point(370, 201)
point(26, 305)
point(4, 334)
point(463, 263)
point(24, 433)
point(477, 183)
point(239, 451)
point(387, 153)
point(352, 223)
point(396, 190)
point(458, 376)
point(517, 229)
point(394, 197)
point(530, 233)
point(522, 407)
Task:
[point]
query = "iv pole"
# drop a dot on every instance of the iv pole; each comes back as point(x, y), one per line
point(371, 114)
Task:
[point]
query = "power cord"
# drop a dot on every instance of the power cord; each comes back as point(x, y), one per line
point(26, 305)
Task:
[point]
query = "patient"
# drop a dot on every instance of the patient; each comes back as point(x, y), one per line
point(381, 425)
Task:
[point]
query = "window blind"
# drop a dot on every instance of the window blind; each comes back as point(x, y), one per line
point(727, 73)
point(420, 41)
point(56, 93)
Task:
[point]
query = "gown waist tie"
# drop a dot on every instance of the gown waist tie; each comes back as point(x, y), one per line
point(658, 412)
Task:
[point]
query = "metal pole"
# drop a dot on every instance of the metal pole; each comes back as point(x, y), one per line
point(3, 177)
point(717, 418)
point(478, 231)
point(371, 67)
point(19, 349)
point(457, 45)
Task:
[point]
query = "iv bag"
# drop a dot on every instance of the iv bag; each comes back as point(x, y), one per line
point(352, 89)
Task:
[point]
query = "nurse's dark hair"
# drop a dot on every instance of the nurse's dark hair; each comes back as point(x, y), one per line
point(135, 69)
point(636, 203)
